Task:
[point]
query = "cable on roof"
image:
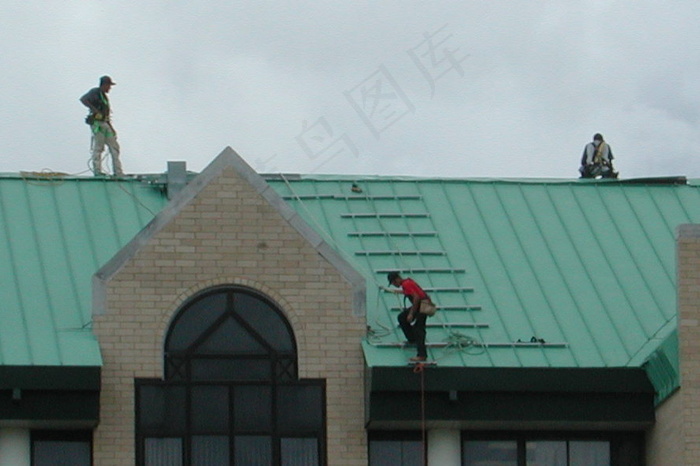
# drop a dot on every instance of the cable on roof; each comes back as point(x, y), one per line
point(39, 178)
point(328, 237)
point(375, 336)
point(138, 201)
point(392, 242)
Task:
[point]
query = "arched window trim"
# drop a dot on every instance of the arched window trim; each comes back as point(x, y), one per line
point(290, 430)
point(232, 289)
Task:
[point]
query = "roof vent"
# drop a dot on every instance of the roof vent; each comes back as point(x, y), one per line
point(177, 178)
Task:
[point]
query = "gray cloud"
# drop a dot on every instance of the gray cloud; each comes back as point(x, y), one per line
point(290, 85)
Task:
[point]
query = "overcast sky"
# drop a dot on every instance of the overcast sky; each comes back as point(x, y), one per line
point(425, 88)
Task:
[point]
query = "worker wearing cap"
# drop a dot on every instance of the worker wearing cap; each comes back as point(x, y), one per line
point(103, 132)
point(411, 321)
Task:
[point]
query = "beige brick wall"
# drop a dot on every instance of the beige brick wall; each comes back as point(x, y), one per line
point(228, 234)
point(665, 440)
point(675, 439)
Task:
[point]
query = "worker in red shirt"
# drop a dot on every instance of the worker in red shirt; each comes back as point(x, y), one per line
point(411, 320)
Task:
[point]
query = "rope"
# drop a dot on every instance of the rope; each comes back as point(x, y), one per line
point(40, 178)
point(328, 236)
point(459, 342)
point(420, 369)
point(402, 262)
point(136, 199)
point(373, 336)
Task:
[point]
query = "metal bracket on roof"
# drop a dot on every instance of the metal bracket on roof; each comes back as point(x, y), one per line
point(421, 270)
point(379, 198)
point(524, 344)
point(458, 324)
point(480, 344)
point(385, 215)
point(392, 233)
point(447, 308)
point(307, 197)
point(454, 289)
point(400, 253)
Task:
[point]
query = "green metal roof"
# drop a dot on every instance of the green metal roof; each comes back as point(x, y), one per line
point(586, 266)
point(55, 232)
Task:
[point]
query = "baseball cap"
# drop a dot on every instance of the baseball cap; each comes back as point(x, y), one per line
point(106, 80)
point(391, 276)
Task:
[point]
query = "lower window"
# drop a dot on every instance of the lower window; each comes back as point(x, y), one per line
point(61, 448)
point(395, 449)
point(540, 449)
point(222, 424)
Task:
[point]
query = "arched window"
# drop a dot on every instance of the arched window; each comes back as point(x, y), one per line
point(231, 393)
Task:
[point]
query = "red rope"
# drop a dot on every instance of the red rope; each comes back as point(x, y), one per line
point(420, 369)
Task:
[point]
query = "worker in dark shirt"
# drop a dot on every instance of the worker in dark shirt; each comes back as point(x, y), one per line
point(103, 132)
point(597, 159)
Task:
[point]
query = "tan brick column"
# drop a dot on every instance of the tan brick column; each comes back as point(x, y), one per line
point(689, 328)
point(675, 439)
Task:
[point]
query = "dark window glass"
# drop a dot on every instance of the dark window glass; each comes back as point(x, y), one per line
point(254, 370)
point(163, 452)
point(253, 408)
point(292, 419)
point(194, 320)
point(582, 453)
point(550, 453)
point(628, 451)
point(61, 453)
point(552, 449)
point(160, 409)
point(395, 453)
point(495, 453)
point(230, 338)
point(299, 451)
point(265, 321)
point(253, 450)
point(210, 409)
point(210, 450)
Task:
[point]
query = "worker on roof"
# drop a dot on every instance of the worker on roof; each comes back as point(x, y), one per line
point(597, 159)
point(102, 130)
point(412, 319)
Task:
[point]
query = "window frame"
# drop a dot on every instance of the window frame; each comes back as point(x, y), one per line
point(402, 437)
point(616, 440)
point(282, 373)
point(66, 436)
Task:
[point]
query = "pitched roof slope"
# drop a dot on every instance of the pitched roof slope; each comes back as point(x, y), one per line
point(55, 232)
point(585, 269)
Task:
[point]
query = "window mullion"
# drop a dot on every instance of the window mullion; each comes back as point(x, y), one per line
point(522, 452)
